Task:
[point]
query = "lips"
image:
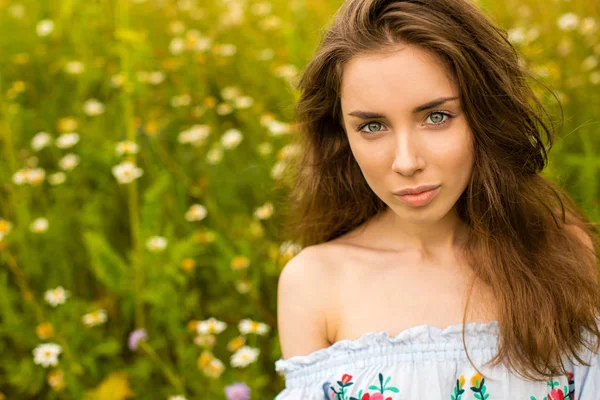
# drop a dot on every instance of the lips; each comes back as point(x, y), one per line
point(417, 190)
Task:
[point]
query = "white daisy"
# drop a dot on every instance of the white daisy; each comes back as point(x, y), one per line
point(214, 155)
point(230, 92)
point(277, 128)
point(67, 140)
point(247, 326)
point(94, 318)
point(244, 102)
point(40, 140)
point(56, 296)
point(568, 21)
point(44, 27)
point(68, 162)
point(181, 100)
point(226, 50)
point(126, 147)
point(244, 356)
point(74, 67)
point(126, 172)
point(203, 44)
point(93, 107)
point(231, 138)
point(211, 325)
point(196, 212)
point(289, 248)
point(39, 225)
point(156, 77)
point(264, 212)
point(156, 243)
point(57, 178)
point(177, 45)
point(177, 397)
point(215, 368)
point(196, 135)
point(46, 354)
point(223, 109)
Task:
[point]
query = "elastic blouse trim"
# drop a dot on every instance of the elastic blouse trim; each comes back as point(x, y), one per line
point(415, 344)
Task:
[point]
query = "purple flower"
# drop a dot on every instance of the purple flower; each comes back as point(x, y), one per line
point(237, 391)
point(135, 337)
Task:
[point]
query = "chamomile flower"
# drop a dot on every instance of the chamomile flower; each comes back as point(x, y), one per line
point(56, 296)
point(126, 147)
point(44, 27)
point(196, 212)
point(264, 212)
point(211, 325)
point(41, 140)
point(156, 244)
point(57, 178)
point(244, 356)
point(39, 225)
point(67, 140)
point(94, 318)
point(231, 138)
point(127, 172)
point(214, 369)
point(247, 326)
point(93, 107)
point(46, 354)
point(68, 162)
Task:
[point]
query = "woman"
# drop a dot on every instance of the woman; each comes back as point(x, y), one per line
point(429, 96)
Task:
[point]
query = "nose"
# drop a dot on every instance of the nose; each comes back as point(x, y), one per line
point(407, 159)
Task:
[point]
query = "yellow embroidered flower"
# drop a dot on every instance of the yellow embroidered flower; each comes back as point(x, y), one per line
point(476, 380)
point(461, 382)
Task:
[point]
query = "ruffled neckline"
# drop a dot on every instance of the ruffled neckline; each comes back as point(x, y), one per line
point(424, 333)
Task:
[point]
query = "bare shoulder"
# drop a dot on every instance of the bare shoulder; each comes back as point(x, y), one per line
point(302, 298)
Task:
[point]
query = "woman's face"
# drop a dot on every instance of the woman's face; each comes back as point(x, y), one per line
point(400, 146)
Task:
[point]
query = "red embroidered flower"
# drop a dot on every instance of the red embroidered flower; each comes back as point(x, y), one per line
point(570, 375)
point(346, 378)
point(556, 394)
point(376, 396)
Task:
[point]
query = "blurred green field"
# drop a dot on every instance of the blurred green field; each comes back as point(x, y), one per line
point(143, 147)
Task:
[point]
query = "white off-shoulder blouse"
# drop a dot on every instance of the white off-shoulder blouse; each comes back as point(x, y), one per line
point(426, 363)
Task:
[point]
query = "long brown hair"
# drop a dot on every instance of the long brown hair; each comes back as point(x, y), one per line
point(544, 277)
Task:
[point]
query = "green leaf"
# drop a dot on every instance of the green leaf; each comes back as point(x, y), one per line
point(108, 267)
point(373, 387)
point(393, 389)
point(108, 348)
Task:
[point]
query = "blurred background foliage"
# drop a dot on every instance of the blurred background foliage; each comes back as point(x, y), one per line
point(144, 144)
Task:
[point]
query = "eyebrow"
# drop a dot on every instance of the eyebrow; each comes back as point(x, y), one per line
point(418, 109)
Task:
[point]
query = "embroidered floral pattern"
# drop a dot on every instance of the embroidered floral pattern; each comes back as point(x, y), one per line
point(458, 389)
point(342, 392)
point(478, 388)
point(557, 393)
